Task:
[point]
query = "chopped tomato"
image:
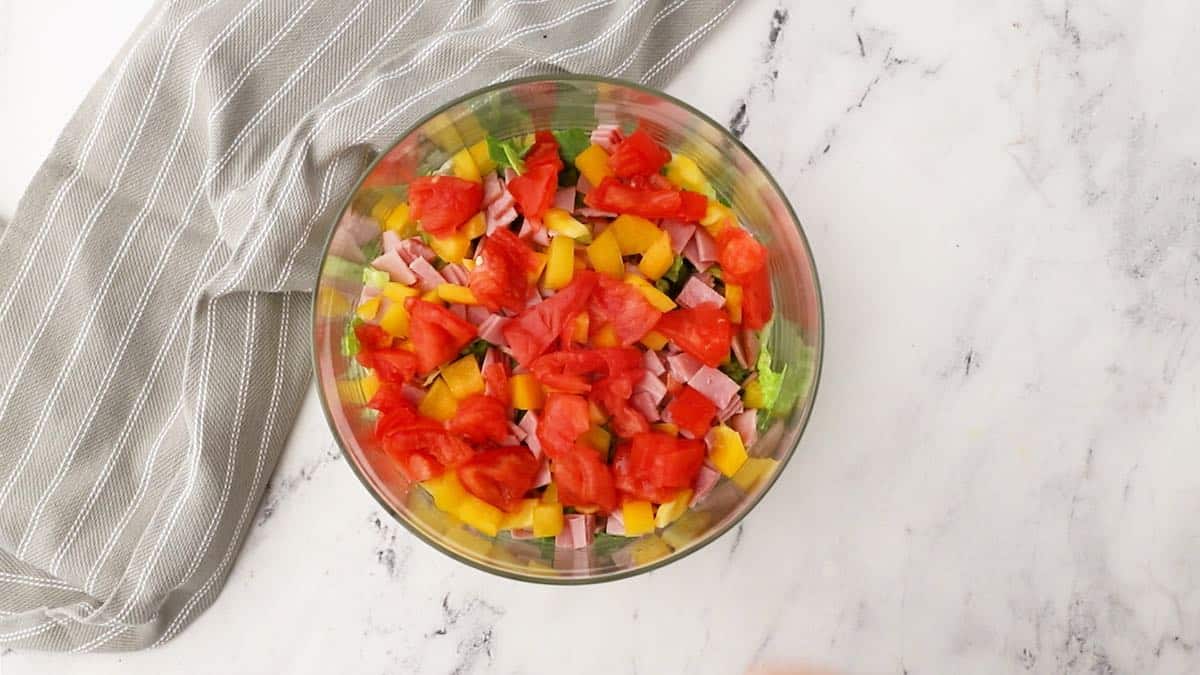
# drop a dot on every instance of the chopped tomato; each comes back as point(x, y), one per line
point(544, 152)
point(500, 476)
point(638, 154)
point(692, 411)
point(480, 418)
point(372, 337)
point(396, 420)
point(584, 480)
point(704, 332)
point(674, 385)
point(390, 397)
point(534, 190)
point(613, 394)
point(501, 280)
point(393, 169)
point(418, 466)
point(652, 181)
point(535, 328)
point(437, 334)
point(756, 300)
point(495, 380)
point(741, 256)
point(648, 201)
point(442, 203)
point(692, 207)
point(631, 315)
point(391, 364)
point(634, 484)
point(425, 437)
point(564, 418)
point(666, 461)
point(567, 371)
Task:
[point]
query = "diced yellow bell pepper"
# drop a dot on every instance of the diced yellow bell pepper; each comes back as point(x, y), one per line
point(717, 217)
point(661, 301)
point(593, 164)
point(658, 258)
point(443, 132)
point(560, 268)
point(683, 172)
point(733, 302)
point(480, 515)
point(463, 377)
point(351, 392)
point(475, 227)
point(469, 264)
point(638, 517)
point(483, 158)
point(634, 233)
point(399, 292)
point(550, 494)
point(666, 428)
point(522, 518)
point(370, 385)
point(452, 248)
point(439, 403)
point(331, 304)
point(526, 391)
point(454, 293)
point(654, 340)
point(669, 512)
point(399, 222)
point(580, 333)
point(367, 310)
point(595, 415)
point(687, 529)
point(753, 470)
point(447, 492)
point(383, 208)
point(597, 438)
point(558, 220)
point(432, 296)
point(648, 549)
point(463, 165)
point(728, 453)
point(406, 345)
point(606, 336)
point(587, 510)
point(604, 253)
point(753, 397)
point(471, 540)
point(581, 261)
point(547, 520)
point(395, 320)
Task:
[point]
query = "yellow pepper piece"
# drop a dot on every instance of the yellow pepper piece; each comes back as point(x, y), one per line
point(331, 304)
point(728, 453)
point(463, 165)
point(526, 391)
point(463, 377)
point(483, 158)
point(560, 268)
point(597, 438)
point(604, 254)
point(683, 172)
point(480, 515)
point(473, 541)
point(475, 227)
point(351, 391)
point(634, 233)
point(370, 385)
point(539, 264)
point(547, 520)
point(367, 310)
point(669, 512)
point(580, 332)
point(522, 518)
point(439, 404)
point(657, 298)
point(452, 248)
point(469, 264)
point(638, 517)
point(593, 164)
point(666, 428)
point(687, 529)
point(399, 222)
point(432, 296)
point(595, 415)
point(550, 494)
point(606, 337)
point(658, 257)
point(648, 549)
point(733, 302)
point(395, 320)
point(456, 294)
point(446, 491)
point(753, 470)
point(382, 209)
point(399, 292)
point(654, 340)
point(753, 398)
point(562, 222)
point(717, 217)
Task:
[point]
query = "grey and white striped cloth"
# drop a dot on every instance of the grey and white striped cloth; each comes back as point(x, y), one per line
point(154, 281)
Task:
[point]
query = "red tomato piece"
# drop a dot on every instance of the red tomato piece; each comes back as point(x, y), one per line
point(631, 315)
point(612, 393)
point(428, 436)
point(692, 411)
point(666, 461)
point(535, 328)
point(567, 371)
point(534, 190)
point(479, 419)
point(391, 364)
point(564, 418)
point(692, 207)
point(544, 152)
point(502, 280)
point(500, 476)
point(614, 196)
point(632, 484)
point(741, 255)
point(638, 154)
point(756, 301)
point(495, 380)
point(705, 332)
point(437, 334)
point(584, 480)
point(418, 466)
point(442, 203)
point(372, 337)
point(393, 169)
point(390, 397)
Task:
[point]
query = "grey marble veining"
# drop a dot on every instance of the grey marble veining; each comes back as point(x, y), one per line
point(1001, 474)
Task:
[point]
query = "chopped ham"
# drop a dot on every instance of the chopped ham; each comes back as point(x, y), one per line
point(501, 213)
point(739, 352)
point(543, 477)
point(732, 408)
point(385, 304)
point(683, 366)
point(492, 330)
point(715, 385)
point(412, 393)
point(704, 278)
point(607, 136)
point(358, 227)
point(565, 199)
point(509, 174)
point(477, 314)
point(428, 278)
point(746, 424)
point(582, 186)
point(492, 188)
point(644, 403)
point(706, 246)
point(653, 363)
point(367, 293)
point(516, 431)
point(692, 253)
point(651, 385)
point(705, 481)
point(541, 237)
point(458, 310)
point(589, 212)
point(750, 343)
point(391, 242)
point(393, 264)
point(529, 423)
point(679, 232)
point(695, 293)
point(510, 440)
point(576, 532)
point(455, 274)
point(615, 525)
point(632, 268)
point(342, 245)
point(412, 248)
point(533, 230)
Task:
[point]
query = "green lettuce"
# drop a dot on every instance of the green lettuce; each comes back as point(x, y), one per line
point(571, 142)
point(508, 153)
point(769, 379)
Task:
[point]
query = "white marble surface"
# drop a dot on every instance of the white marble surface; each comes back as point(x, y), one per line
point(1001, 474)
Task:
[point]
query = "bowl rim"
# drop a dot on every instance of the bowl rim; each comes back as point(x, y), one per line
point(675, 555)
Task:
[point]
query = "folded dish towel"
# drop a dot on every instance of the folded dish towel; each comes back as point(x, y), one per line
point(154, 315)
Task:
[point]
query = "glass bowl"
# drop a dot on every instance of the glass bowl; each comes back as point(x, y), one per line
point(519, 107)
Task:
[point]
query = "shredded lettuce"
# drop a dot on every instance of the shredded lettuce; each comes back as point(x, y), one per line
point(508, 153)
point(372, 249)
point(374, 277)
point(350, 344)
point(735, 371)
point(769, 379)
point(571, 142)
point(477, 348)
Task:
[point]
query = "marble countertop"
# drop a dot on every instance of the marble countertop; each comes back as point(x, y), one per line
point(1001, 474)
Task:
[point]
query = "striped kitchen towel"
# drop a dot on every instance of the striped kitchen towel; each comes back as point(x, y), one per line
point(154, 282)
